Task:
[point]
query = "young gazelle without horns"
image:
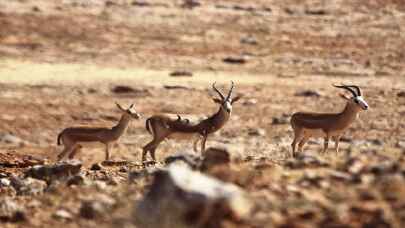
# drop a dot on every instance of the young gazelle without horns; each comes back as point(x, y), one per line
point(327, 125)
point(72, 137)
point(167, 127)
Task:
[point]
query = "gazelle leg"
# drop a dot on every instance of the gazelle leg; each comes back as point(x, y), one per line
point(326, 143)
point(152, 154)
point(301, 144)
point(107, 151)
point(204, 140)
point(195, 143)
point(144, 152)
point(337, 139)
point(297, 138)
point(293, 146)
point(151, 148)
point(75, 150)
point(65, 151)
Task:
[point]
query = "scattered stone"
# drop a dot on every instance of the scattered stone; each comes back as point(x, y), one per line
point(62, 170)
point(136, 175)
point(236, 60)
point(401, 94)
point(10, 139)
point(384, 167)
point(149, 163)
point(376, 142)
point(123, 89)
point(401, 144)
point(354, 166)
point(7, 191)
point(215, 156)
point(244, 8)
point(133, 176)
point(10, 211)
point(248, 40)
point(62, 214)
point(256, 132)
point(190, 4)
point(190, 159)
point(180, 197)
point(36, 9)
point(120, 89)
point(267, 9)
point(140, 3)
point(317, 12)
point(96, 167)
point(92, 90)
point(170, 87)
point(289, 11)
point(109, 3)
point(181, 73)
point(124, 169)
point(4, 182)
point(97, 207)
point(284, 119)
point(28, 186)
point(308, 93)
point(114, 181)
point(303, 160)
point(250, 102)
point(340, 176)
point(100, 185)
point(115, 163)
point(76, 180)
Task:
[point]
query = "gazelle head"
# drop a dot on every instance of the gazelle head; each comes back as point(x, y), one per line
point(130, 112)
point(225, 102)
point(357, 99)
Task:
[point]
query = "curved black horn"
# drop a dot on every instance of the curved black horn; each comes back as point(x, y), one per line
point(132, 105)
point(230, 91)
point(356, 87)
point(216, 90)
point(119, 106)
point(347, 88)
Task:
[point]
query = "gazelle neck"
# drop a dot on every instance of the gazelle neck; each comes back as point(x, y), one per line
point(122, 125)
point(349, 114)
point(219, 119)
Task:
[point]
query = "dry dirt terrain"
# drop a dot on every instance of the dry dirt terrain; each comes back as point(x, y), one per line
point(64, 62)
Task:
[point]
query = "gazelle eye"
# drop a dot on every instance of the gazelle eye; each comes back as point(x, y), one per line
point(357, 101)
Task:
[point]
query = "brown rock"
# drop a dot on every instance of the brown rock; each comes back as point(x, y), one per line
point(180, 197)
point(214, 156)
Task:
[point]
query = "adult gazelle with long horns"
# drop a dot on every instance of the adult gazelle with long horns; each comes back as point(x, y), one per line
point(308, 125)
point(165, 126)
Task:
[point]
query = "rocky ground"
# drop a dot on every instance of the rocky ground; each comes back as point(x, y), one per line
point(65, 63)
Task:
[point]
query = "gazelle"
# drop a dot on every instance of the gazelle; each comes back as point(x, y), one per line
point(167, 127)
point(327, 125)
point(72, 137)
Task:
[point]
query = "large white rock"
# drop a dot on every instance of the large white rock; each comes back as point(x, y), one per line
point(180, 197)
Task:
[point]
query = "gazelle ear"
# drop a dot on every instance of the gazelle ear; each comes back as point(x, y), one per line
point(216, 100)
point(132, 105)
point(344, 96)
point(235, 99)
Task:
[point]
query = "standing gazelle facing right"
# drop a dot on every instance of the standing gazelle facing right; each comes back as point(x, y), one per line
point(166, 127)
point(327, 125)
point(73, 136)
